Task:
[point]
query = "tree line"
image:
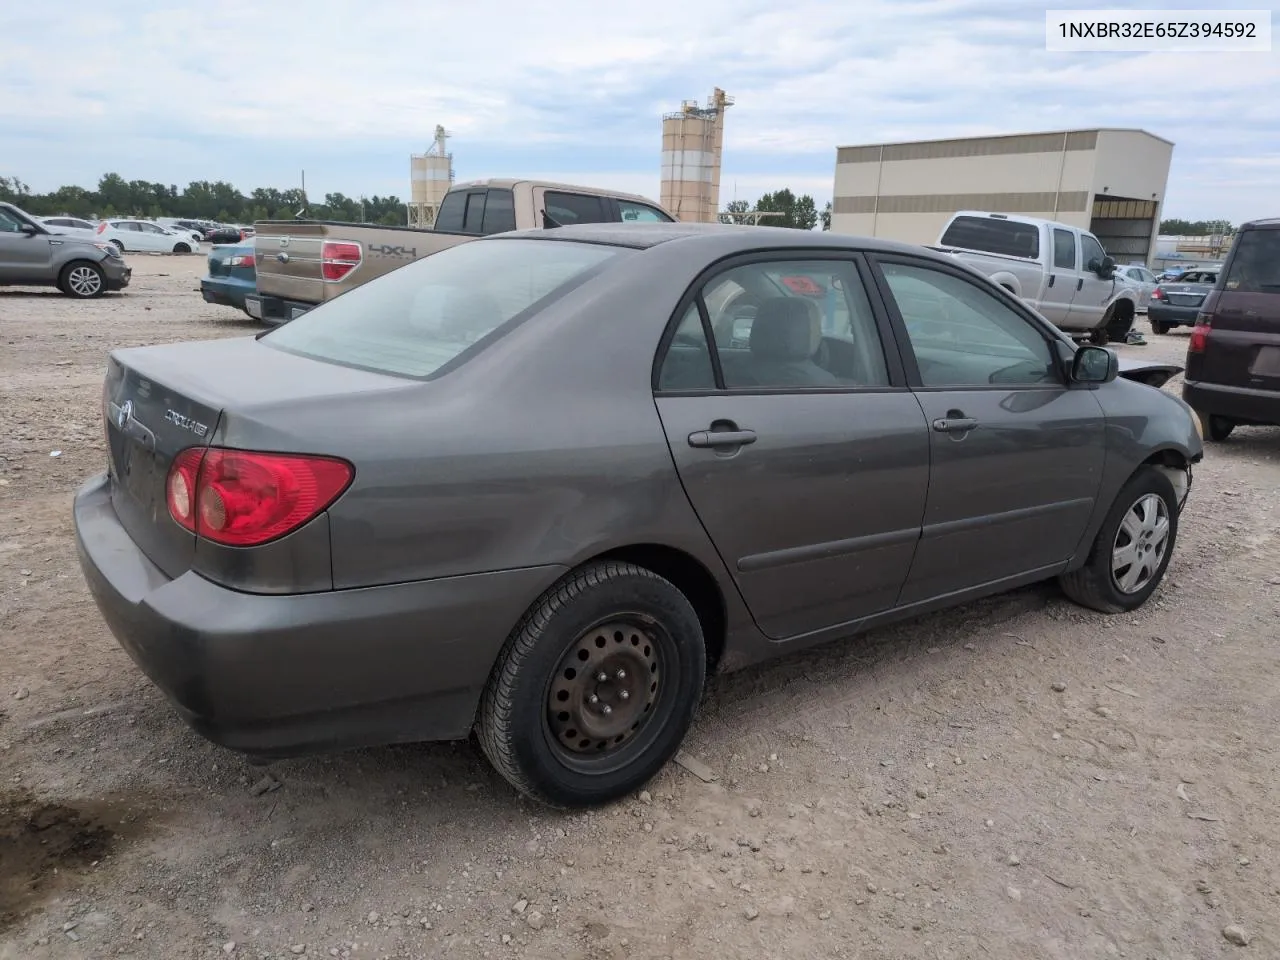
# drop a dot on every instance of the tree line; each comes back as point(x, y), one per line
point(199, 200)
point(1174, 227)
point(794, 212)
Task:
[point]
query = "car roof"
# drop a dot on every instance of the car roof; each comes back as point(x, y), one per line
point(720, 239)
point(1267, 223)
point(509, 183)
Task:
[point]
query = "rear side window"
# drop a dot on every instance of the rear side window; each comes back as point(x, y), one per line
point(414, 320)
point(1064, 250)
point(567, 208)
point(452, 208)
point(1005, 237)
point(499, 212)
point(1255, 263)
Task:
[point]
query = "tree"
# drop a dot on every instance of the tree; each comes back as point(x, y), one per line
point(826, 216)
point(798, 213)
point(734, 206)
point(1195, 228)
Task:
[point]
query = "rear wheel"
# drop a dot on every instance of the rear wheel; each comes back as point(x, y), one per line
point(1160, 327)
point(82, 280)
point(1215, 427)
point(595, 688)
point(1131, 552)
point(119, 245)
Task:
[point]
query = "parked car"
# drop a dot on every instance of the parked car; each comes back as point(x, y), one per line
point(1061, 271)
point(1177, 303)
point(1233, 358)
point(145, 237)
point(179, 225)
point(302, 263)
point(231, 275)
point(32, 255)
point(1143, 282)
point(539, 484)
point(224, 233)
point(71, 227)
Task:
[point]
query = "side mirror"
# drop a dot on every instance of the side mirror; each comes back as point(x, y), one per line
point(1105, 269)
point(29, 229)
point(1094, 365)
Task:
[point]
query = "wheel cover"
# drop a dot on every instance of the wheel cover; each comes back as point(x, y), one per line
point(605, 687)
point(84, 281)
point(1140, 543)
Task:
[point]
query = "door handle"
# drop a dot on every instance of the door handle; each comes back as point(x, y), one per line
point(1079, 284)
point(721, 438)
point(954, 424)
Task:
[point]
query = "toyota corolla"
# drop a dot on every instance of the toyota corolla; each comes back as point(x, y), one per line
point(539, 486)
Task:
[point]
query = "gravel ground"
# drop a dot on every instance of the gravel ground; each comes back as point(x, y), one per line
point(1016, 778)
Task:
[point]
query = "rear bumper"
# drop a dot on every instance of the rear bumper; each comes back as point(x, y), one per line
point(227, 291)
point(285, 675)
point(1158, 312)
point(274, 310)
point(1238, 403)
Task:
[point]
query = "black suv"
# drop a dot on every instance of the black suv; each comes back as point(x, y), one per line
point(1233, 360)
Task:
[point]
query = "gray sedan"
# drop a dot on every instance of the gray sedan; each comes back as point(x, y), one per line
point(543, 484)
point(1178, 302)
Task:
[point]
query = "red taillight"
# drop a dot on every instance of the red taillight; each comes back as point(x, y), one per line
point(338, 258)
point(1157, 294)
point(240, 260)
point(1199, 335)
point(102, 227)
point(241, 499)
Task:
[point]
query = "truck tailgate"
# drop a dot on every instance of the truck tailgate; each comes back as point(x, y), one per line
point(289, 260)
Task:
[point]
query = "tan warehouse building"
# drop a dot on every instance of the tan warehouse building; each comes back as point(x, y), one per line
point(1111, 182)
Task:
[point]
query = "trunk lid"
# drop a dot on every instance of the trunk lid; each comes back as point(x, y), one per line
point(161, 400)
point(1186, 294)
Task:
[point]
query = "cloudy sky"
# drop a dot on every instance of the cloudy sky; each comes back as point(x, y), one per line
point(254, 92)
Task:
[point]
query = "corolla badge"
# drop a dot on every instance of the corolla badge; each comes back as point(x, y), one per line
point(124, 414)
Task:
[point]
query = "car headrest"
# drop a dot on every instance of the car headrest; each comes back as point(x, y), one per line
point(786, 328)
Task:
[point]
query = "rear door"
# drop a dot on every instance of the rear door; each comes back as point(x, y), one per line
point(22, 256)
point(1092, 294)
point(802, 451)
point(1016, 454)
point(1243, 347)
point(1063, 261)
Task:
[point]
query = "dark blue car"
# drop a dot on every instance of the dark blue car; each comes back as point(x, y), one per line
point(231, 274)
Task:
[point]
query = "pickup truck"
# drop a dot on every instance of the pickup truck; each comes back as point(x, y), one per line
point(1061, 271)
point(303, 263)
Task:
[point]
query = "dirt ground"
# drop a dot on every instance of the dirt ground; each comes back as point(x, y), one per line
point(928, 791)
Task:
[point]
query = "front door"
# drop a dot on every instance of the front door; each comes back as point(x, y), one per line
point(1093, 294)
point(1017, 454)
point(22, 255)
point(798, 444)
point(1064, 275)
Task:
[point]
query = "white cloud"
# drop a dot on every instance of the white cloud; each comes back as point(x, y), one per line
point(587, 82)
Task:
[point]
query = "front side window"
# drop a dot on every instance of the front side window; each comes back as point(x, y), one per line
point(963, 336)
point(794, 324)
point(414, 320)
point(1255, 265)
point(567, 208)
point(9, 223)
point(632, 212)
point(1091, 251)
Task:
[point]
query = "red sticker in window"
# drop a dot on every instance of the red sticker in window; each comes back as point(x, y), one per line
point(805, 286)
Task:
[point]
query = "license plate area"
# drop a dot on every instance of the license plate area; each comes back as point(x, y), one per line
point(1266, 363)
point(253, 307)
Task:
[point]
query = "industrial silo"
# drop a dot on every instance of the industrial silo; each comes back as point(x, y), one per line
point(692, 142)
point(430, 175)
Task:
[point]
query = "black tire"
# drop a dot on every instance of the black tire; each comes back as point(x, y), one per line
point(1094, 585)
point(83, 280)
point(119, 244)
point(1216, 428)
point(515, 723)
point(1160, 327)
point(1099, 337)
point(181, 248)
point(1119, 321)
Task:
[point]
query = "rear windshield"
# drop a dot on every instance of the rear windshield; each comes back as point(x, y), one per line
point(1004, 237)
point(1255, 267)
point(415, 320)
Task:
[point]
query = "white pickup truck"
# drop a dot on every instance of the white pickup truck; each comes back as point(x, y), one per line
point(1059, 270)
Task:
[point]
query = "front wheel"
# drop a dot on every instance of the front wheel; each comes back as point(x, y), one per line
point(595, 689)
point(1099, 337)
point(1131, 552)
point(82, 280)
point(119, 245)
point(181, 248)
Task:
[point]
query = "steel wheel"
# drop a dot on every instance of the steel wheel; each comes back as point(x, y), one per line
point(1140, 544)
point(604, 688)
point(84, 281)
